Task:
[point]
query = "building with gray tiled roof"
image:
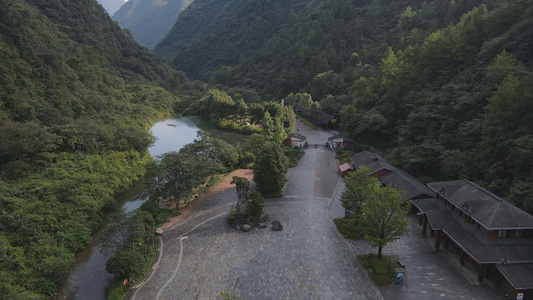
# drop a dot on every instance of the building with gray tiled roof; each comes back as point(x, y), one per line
point(487, 232)
point(377, 165)
point(391, 176)
point(490, 233)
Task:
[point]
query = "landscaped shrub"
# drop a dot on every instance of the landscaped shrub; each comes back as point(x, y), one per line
point(380, 270)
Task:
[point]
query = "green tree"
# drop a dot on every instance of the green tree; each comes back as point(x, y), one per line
point(217, 105)
point(348, 116)
point(125, 264)
point(256, 204)
point(521, 195)
point(279, 130)
point(315, 112)
point(256, 112)
point(219, 154)
point(356, 184)
point(177, 175)
point(124, 229)
point(383, 215)
point(268, 127)
point(269, 170)
point(23, 140)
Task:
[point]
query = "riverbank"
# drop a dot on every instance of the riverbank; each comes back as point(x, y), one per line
point(221, 186)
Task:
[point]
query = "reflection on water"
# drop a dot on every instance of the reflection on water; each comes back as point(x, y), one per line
point(172, 134)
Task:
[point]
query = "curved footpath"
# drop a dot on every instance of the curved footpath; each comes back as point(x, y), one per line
point(202, 257)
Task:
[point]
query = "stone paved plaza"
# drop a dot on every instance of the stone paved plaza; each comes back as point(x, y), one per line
point(203, 257)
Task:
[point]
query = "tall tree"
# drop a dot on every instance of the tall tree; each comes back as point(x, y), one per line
point(124, 229)
point(267, 127)
point(383, 215)
point(269, 170)
point(356, 184)
point(279, 129)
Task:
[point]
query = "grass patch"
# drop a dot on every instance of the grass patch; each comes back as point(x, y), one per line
point(309, 123)
point(115, 289)
point(344, 156)
point(349, 228)
point(381, 271)
point(210, 183)
point(293, 154)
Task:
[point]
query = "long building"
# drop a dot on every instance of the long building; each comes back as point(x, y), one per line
point(487, 233)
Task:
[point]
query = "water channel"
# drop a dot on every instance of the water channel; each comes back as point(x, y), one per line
point(89, 279)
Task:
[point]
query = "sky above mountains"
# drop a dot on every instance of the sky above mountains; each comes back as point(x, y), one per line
point(111, 6)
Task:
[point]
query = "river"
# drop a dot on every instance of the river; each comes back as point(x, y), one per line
point(89, 279)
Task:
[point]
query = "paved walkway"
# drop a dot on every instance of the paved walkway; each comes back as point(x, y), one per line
point(429, 275)
point(202, 256)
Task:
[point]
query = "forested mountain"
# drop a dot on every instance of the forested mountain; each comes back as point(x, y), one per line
point(200, 19)
point(442, 87)
point(149, 21)
point(111, 5)
point(76, 98)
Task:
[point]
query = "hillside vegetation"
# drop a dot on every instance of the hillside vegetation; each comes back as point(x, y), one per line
point(200, 18)
point(149, 20)
point(76, 100)
point(442, 87)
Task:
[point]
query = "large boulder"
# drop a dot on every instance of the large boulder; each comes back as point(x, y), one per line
point(276, 225)
point(246, 227)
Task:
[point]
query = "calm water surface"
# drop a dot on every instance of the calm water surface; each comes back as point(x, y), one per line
point(89, 279)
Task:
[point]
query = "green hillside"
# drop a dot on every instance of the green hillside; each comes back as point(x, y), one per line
point(442, 87)
point(76, 100)
point(149, 20)
point(200, 18)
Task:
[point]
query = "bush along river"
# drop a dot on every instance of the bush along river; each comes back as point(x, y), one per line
point(89, 279)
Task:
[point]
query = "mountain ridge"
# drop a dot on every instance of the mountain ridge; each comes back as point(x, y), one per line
point(149, 21)
point(111, 6)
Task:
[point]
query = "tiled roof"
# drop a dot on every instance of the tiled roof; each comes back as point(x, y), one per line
point(371, 160)
point(297, 136)
point(345, 167)
point(473, 241)
point(403, 180)
point(489, 210)
point(519, 275)
point(324, 118)
point(340, 136)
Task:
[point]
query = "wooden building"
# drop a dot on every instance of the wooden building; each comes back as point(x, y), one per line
point(344, 169)
point(295, 140)
point(487, 232)
point(391, 176)
point(327, 120)
point(340, 141)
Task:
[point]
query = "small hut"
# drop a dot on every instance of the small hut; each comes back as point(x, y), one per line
point(344, 169)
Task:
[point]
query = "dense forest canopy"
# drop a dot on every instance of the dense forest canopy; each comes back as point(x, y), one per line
point(76, 100)
point(199, 19)
point(443, 88)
